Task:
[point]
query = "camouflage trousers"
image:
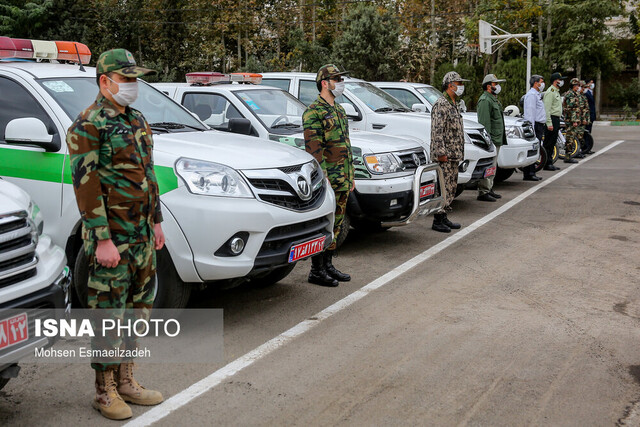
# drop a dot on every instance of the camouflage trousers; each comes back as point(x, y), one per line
point(341, 208)
point(126, 292)
point(573, 135)
point(450, 173)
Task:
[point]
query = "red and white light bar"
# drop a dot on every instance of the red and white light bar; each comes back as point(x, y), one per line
point(211, 77)
point(41, 49)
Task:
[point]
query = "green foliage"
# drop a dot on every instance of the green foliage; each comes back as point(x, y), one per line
point(514, 72)
point(472, 89)
point(625, 94)
point(369, 45)
point(20, 19)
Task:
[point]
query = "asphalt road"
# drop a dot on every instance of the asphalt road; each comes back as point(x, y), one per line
point(531, 318)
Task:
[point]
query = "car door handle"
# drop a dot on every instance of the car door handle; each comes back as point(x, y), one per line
point(378, 126)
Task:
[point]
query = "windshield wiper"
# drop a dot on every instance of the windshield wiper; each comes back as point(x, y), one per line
point(172, 125)
point(383, 109)
point(285, 125)
point(402, 110)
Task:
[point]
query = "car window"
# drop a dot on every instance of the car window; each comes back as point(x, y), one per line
point(403, 95)
point(279, 83)
point(275, 108)
point(374, 97)
point(212, 108)
point(430, 93)
point(19, 103)
point(308, 92)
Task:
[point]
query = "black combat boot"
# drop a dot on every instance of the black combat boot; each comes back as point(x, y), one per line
point(334, 272)
point(438, 224)
point(451, 225)
point(318, 274)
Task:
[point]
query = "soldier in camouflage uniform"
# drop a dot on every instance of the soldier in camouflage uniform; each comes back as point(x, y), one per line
point(111, 156)
point(326, 137)
point(584, 115)
point(447, 143)
point(572, 118)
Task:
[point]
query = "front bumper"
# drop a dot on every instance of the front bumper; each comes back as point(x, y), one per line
point(472, 154)
point(518, 153)
point(396, 201)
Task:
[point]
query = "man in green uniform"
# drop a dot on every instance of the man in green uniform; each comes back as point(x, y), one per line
point(111, 155)
point(573, 119)
point(326, 137)
point(490, 116)
point(553, 107)
point(447, 144)
point(584, 116)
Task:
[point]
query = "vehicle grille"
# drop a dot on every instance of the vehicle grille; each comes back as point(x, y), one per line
point(18, 241)
point(532, 153)
point(276, 246)
point(480, 141)
point(408, 160)
point(280, 186)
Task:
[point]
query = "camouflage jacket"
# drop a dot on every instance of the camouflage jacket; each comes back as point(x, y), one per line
point(447, 131)
point(584, 108)
point(571, 108)
point(111, 158)
point(326, 137)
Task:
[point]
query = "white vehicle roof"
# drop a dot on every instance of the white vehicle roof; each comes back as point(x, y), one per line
point(43, 70)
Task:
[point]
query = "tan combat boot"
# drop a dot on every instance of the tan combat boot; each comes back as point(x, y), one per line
point(107, 399)
point(133, 392)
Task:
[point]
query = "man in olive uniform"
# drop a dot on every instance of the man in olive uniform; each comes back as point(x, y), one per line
point(491, 117)
point(573, 118)
point(326, 137)
point(111, 154)
point(553, 107)
point(447, 144)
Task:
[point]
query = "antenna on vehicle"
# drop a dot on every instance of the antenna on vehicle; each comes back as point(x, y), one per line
point(79, 60)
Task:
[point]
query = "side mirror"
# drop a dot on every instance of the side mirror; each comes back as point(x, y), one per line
point(241, 126)
point(463, 106)
point(30, 130)
point(350, 110)
point(419, 108)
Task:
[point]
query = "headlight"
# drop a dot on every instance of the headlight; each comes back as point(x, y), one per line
point(212, 179)
point(382, 163)
point(36, 216)
point(513, 132)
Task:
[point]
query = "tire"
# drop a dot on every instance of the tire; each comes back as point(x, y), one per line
point(542, 160)
point(503, 174)
point(459, 190)
point(574, 146)
point(554, 154)
point(344, 230)
point(274, 276)
point(171, 291)
point(369, 226)
point(3, 382)
point(588, 142)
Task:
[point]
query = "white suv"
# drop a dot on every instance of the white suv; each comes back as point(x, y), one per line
point(34, 279)
point(232, 205)
point(522, 148)
point(370, 108)
point(394, 179)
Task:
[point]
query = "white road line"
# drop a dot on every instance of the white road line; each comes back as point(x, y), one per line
point(206, 384)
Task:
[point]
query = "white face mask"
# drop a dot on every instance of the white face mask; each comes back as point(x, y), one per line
point(497, 89)
point(592, 86)
point(541, 89)
point(459, 90)
point(127, 93)
point(339, 89)
point(561, 83)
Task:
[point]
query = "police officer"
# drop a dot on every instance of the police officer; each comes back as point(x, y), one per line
point(490, 116)
point(447, 144)
point(573, 118)
point(326, 137)
point(534, 113)
point(111, 154)
point(553, 107)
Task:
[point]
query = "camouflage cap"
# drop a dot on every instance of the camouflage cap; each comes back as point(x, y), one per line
point(120, 61)
point(452, 76)
point(327, 71)
point(491, 78)
point(574, 81)
point(583, 83)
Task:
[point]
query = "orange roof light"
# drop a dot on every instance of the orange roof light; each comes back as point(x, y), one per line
point(68, 51)
point(44, 49)
point(206, 78)
point(254, 78)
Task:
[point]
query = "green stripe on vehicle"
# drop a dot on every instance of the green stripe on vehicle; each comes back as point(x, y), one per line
point(167, 179)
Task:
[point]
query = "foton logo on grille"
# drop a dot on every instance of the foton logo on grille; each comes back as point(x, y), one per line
point(14, 330)
point(305, 189)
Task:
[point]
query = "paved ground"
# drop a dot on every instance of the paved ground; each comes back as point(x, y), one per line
point(533, 318)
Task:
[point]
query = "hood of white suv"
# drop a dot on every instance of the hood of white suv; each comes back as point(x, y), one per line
point(371, 142)
point(12, 198)
point(236, 151)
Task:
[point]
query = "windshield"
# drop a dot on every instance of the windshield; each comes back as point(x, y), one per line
point(275, 108)
point(375, 98)
point(431, 94)
point(75, 94)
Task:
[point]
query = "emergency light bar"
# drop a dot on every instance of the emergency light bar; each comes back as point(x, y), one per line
point(213, 77)
point(42, 49)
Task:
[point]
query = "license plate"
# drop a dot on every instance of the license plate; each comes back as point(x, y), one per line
point(490, 171)
point(303, 250)
point(427, 190)
point(14, 330)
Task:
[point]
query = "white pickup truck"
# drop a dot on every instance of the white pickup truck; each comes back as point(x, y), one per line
point(395, 182)
point(522, 148)
point(370, 108)
point(223, 224)
point(34, 279)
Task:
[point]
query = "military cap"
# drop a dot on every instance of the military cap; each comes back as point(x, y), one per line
point(574, 81)
point(120, 61)
point(491, 78)
point(557, 76)
point(452, 76)
point(583, 83)
point(328, 71)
